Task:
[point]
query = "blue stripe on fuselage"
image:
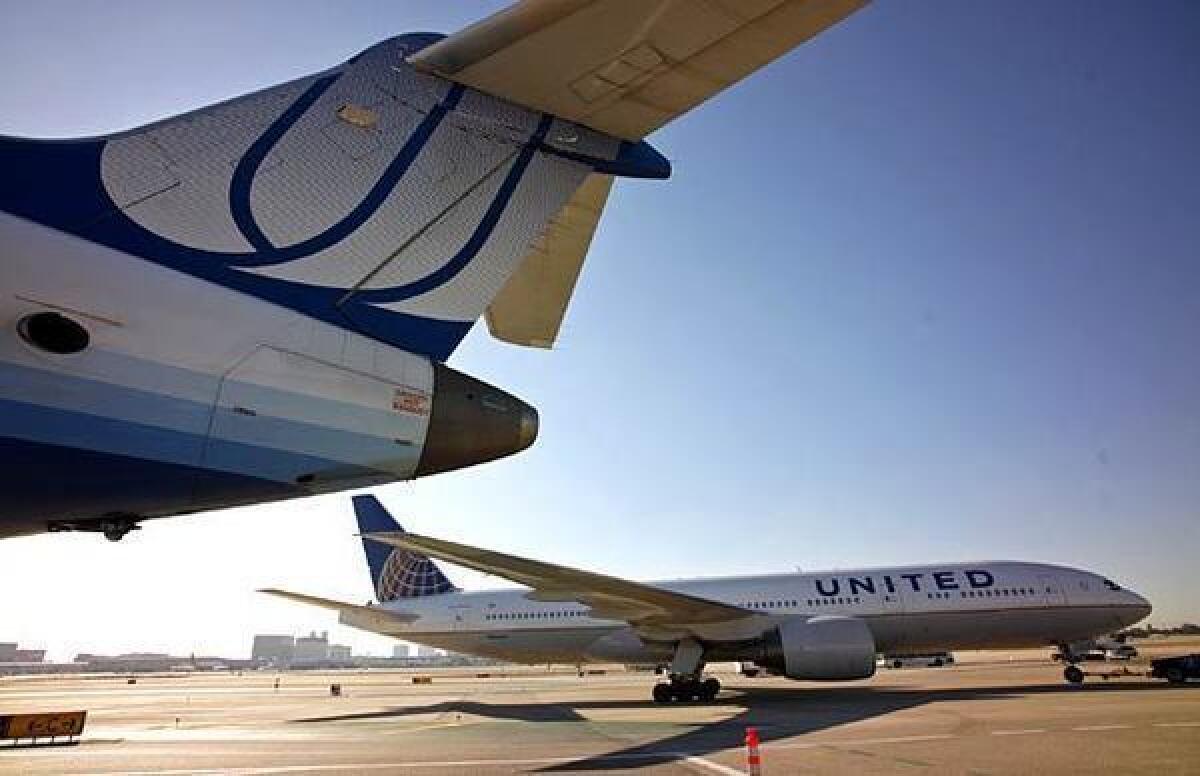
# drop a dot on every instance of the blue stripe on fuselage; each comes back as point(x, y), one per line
point(343, 433)
point(32, 484)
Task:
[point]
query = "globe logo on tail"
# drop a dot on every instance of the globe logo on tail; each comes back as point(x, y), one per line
point(408, 575)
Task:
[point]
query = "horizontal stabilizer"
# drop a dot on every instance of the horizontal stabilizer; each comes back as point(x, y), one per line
point(356, 612)
point(625, 67)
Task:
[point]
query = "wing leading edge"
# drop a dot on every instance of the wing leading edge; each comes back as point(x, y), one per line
point(641, 605)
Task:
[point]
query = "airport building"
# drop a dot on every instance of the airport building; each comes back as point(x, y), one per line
point(401, 651)
point(11, 653)
point(312, 648)
point(273, 649)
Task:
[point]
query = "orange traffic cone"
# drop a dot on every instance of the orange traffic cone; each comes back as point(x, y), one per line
point(753, 758)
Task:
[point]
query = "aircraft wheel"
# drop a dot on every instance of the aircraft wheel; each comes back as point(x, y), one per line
point(1175, 675)
point(685, 693)
point(709, 689)
point(662, 693)
point(1073, 674)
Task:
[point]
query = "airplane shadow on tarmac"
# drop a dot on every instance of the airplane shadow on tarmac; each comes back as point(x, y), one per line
point(778, 713)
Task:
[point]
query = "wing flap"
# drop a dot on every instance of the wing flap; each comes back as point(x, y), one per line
point(625, 67)
point(610, 597)
point(529, 310)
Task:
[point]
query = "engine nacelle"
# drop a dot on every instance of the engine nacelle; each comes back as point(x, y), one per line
point(822, 648)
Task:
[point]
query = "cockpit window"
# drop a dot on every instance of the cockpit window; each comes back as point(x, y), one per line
point(1111, 585)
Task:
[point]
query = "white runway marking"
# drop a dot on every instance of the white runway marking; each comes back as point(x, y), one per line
point(714, 767)
point(1176, 724)
point(1089, 728)
point(1025, 732)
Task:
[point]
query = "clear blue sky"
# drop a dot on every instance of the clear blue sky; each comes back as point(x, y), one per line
point(926, 289)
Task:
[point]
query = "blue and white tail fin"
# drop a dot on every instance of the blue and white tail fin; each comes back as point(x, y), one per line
point(395, 571)
point(371, 196)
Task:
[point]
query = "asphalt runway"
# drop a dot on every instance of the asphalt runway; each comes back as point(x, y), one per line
point(1000, 716)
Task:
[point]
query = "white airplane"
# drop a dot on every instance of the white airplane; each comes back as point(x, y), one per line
point(254, 301)
point(816, 626)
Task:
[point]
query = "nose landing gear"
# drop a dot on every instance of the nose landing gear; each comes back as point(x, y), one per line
point(1072, 673)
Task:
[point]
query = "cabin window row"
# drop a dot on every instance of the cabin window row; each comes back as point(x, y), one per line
point(532, 615)
point(834, 601)
point(795, 603)
point(1004, 592)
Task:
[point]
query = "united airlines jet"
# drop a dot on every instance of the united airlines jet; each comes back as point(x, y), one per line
point(816, 626)
point(256, 300)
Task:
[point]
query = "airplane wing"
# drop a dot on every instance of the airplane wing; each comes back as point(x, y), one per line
point(530, 308)
point(609, 597)
point(625, 67)
point(360, 614)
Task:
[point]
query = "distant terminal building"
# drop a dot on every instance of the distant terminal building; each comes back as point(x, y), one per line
point(273, 649)
point(401, 651)
point(311, 648)
point(428, 652)
point(10, 653)
point(339, 653)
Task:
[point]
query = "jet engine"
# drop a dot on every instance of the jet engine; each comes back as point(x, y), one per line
point(822, 648)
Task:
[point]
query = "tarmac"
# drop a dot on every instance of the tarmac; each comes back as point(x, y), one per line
point(991, 713)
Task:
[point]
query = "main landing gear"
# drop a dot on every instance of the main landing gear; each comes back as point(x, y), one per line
point(687, 683)
point(687, 690)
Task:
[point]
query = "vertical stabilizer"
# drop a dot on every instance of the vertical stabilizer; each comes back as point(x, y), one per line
point(395, 571)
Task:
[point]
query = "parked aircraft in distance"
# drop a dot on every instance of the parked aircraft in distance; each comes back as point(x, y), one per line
point(818, 625)
point(254, 301)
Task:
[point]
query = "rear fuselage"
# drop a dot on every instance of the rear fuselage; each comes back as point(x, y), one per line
point(264, 292)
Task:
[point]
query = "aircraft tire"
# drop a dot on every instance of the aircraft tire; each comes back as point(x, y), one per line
point(1175, 675)
point(709, 689)
point(662, 693)
point(1073, 674)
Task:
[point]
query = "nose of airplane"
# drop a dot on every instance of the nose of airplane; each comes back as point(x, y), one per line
point(1140, 608)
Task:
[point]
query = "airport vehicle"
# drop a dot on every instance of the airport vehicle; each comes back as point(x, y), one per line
point(929, 660)
point(818, 625)
point(1176, 670)
point(1105, 648)
point(1121, 652)
point(254, 301)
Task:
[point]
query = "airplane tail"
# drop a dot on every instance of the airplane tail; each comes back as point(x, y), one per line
point(371, 196)
point(395, 571)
